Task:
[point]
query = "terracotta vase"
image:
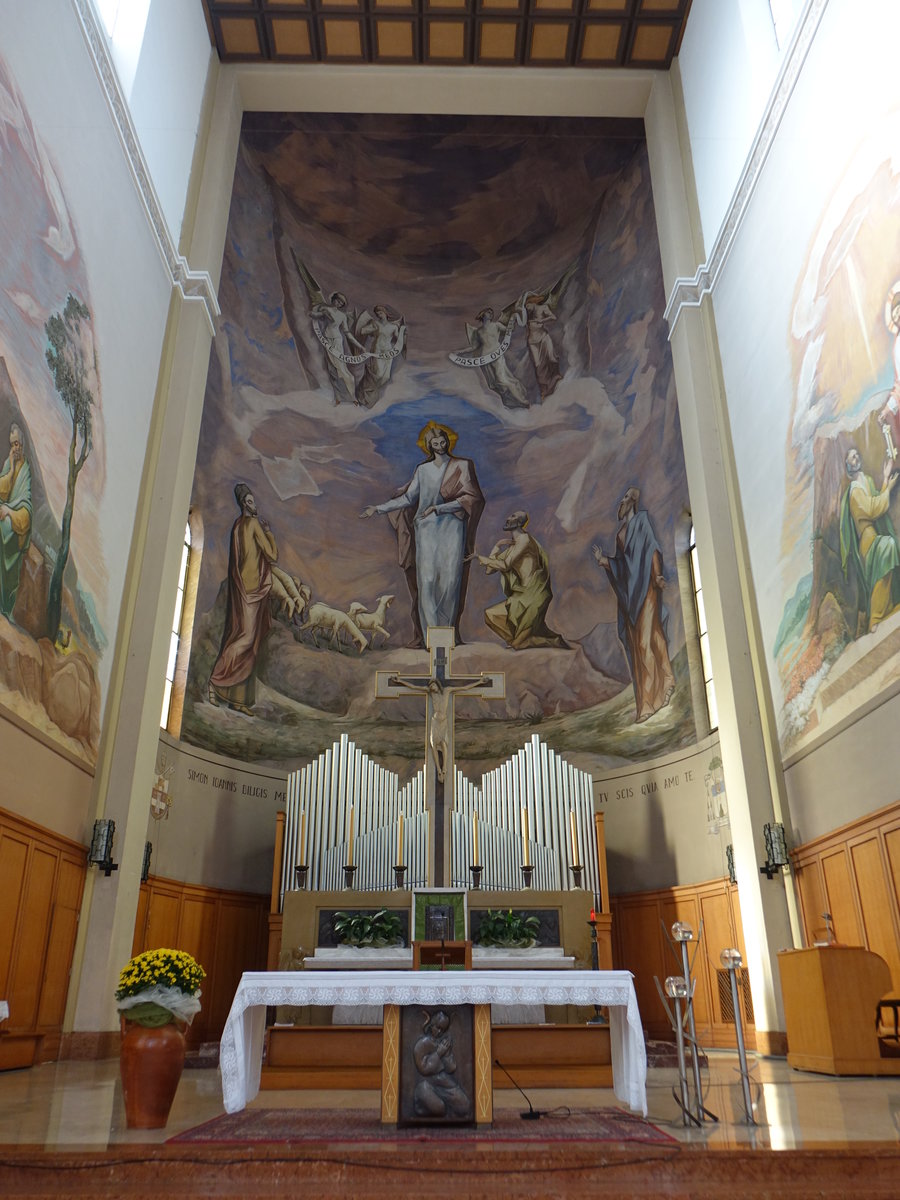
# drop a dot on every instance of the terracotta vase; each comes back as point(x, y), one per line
point(151, 1062)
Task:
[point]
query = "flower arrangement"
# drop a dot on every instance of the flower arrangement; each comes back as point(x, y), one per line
point(160, 986)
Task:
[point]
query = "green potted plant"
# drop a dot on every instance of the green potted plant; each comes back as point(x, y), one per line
point(367, 929)
point(158, 996)
point(507, 929)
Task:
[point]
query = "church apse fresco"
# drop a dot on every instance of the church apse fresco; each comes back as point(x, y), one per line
point(53, 574)
point(441, 394)
point(840, 630)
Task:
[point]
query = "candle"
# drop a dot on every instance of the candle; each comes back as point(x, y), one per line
point(475, 862)
point(525, 859)
point(350, 840)
point(575, 862)
point(303, 838)
point(593, 915)
point(400, 843)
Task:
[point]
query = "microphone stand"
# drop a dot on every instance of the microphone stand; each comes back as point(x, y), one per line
point(533, 1113)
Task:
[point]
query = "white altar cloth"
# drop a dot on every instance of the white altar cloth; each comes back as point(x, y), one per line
point(241, 1048)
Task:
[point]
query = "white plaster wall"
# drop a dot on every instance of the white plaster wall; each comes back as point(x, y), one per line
point(220, 830)
point(729, 60)
point(166, 99)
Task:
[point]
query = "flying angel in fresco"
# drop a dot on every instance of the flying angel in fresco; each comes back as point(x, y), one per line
point(340, 330)
point(388, 334)
point(488, 342)
point(540, 311)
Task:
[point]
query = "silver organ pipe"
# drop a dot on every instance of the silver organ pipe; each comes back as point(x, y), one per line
point(556, 796)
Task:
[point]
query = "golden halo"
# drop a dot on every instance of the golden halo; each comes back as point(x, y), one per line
point(450, 434)
point(893, 298)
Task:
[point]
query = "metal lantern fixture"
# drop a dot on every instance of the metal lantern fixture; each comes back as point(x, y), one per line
point(101, 851)
point(729, 863)
point(145, 864)
point(776, 849)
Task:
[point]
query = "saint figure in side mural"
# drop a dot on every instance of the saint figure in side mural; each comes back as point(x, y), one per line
point(868, 539)
point(489, 340)
point(889, 417)
point(15, 518)
point(525, 576)
point(436, 518)
point(333, 325)
point(635, 573)
point(247, 615)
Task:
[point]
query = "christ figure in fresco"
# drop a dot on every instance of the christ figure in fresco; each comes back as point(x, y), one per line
point(247, 616)
point(635, 573)
point(436, 518)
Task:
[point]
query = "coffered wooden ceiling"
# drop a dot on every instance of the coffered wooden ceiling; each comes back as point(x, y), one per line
point(545, 33)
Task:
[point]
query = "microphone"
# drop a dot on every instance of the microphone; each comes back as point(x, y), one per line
point(533, 1113)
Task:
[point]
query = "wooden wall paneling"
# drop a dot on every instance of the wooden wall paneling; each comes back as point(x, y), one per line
point(892, 850)
point(810, 884)
point(878, 917)
point(140, 920)
point(687, 910)
point(57, 968)
point(27, 971)
point(842, 902)
point(641, 943)
point(13, 864)
point(718, 933)
point(240, 945)
point(198, 935)
point(163, 913)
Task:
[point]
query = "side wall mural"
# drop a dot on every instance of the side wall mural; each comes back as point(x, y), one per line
point(53, 573)
point(441, 394)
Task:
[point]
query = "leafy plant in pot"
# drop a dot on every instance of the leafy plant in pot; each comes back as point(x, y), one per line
point(362, 929)
point(507, 929)
point(158, 996)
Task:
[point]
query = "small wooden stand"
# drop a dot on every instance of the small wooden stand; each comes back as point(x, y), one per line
point(442, 955)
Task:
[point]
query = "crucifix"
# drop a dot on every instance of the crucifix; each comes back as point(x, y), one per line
point(440, 688)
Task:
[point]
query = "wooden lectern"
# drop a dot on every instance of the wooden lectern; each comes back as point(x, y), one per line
point(831, 996)
point(442, 955)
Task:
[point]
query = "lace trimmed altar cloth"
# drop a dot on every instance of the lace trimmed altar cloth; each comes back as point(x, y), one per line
point(241, 1047)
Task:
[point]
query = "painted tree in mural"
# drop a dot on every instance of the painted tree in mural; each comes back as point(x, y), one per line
point(69, 365)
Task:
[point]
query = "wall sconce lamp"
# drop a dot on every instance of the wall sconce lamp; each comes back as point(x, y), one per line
point(145, 865)
point(729, 863)
point(776, 849)
point(101, 851)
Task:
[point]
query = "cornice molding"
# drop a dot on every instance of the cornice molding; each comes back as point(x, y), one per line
point(193, 285)
point(689, 292)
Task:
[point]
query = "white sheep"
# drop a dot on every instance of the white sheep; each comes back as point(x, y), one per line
point(292, 595)
point(372, 620)
point(321, 618)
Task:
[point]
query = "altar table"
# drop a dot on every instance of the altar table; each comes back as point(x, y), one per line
point(241, 1047)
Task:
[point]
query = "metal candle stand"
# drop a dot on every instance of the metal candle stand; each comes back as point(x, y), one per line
point(731, 960)
point(349, 872)
point(680, 990)
point(598, 1018)
point(577, 872)
point(301, 874)
point(399, 872)
point(475, 872)
point(527, 875)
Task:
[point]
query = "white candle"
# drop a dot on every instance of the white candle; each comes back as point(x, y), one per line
point(526, 861)
point(350, 840)
point(475, 839)
point(400, 843)
point(575, 862)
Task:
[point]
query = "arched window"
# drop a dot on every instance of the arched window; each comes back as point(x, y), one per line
point(703, 634)
point(182, 626)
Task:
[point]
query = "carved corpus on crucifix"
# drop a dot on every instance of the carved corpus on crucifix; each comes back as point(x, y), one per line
point(440, 687)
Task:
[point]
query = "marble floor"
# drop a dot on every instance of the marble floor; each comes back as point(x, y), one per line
point(78, 1105)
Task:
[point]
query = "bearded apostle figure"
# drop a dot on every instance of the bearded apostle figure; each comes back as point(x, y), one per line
point(436, 517)
point(247, 616)
point(635, 573)
point(15, 518)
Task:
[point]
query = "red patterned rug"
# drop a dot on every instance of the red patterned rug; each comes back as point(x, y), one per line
point(286, 1125)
